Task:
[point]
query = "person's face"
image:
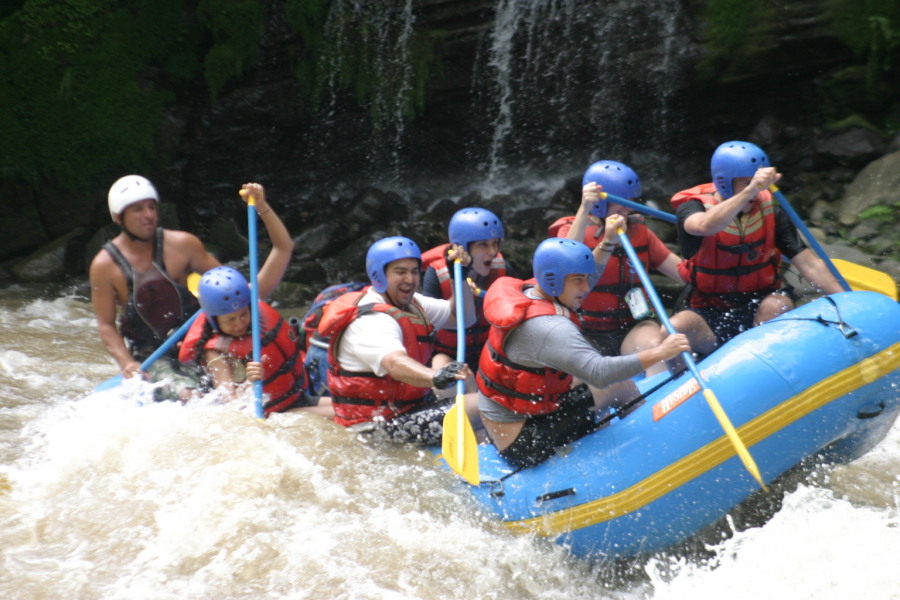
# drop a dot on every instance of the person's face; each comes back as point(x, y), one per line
point(575, 287)
point(483, 252)
point(738, 185)
point(235, 324)
point(402, 280)
point(141, 218)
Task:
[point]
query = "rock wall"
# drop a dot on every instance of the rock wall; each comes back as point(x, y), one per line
point(521, 97)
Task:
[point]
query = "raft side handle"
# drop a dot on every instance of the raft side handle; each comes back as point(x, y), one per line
point(554, 496)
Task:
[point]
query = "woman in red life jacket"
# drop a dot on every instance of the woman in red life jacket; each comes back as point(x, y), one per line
point(616, 315)
point(733, 237)
point(527, 396)
point(222, 342)
point(480, 232)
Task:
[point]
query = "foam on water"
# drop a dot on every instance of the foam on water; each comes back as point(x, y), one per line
point(115, 500)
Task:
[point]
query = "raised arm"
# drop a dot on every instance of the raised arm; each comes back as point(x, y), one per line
point(590, 194)
point(715, 219)
point(282, 245)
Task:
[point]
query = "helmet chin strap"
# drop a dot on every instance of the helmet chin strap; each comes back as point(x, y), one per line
point(130, 235)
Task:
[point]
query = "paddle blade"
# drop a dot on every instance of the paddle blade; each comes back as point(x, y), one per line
point(458, 443)
point(193, 284)
point(733, 437)
point(109, 383)
point(864, 278)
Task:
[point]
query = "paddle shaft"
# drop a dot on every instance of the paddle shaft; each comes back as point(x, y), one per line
point(708, 394)
point(460, 356)
point(641, 208)
point(254, 300)
point(798, 223)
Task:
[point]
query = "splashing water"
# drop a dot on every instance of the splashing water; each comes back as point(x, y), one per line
point(114, 500)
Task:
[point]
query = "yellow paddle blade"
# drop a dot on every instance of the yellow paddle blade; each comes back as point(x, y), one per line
point(864, 278)
point(733, 436)
point(458, 443)
point(5, 485)
point(193, 283)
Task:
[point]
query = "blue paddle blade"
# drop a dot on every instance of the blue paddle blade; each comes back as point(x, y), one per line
point(109, 384)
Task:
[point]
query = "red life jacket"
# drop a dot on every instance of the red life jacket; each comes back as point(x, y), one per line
point(592, 233)
point(740, 259)
point(363, 396)
point(604, 308)
point(522, 389)
point(476, 335)
point(280, 355)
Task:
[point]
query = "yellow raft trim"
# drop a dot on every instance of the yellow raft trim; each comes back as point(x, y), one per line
point(713, 454)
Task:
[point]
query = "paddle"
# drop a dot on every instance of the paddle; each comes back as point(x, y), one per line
point(458, 442)
point(864, 278)
point(798, 223)
point(858, 276)
point(711, 399)
point(254, 301)
point(179, 333)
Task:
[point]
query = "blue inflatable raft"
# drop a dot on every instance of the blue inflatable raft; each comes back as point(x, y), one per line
point(819, 380)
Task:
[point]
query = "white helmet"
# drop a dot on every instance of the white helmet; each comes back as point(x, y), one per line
point(128, 190)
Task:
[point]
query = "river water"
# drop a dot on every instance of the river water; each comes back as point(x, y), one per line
point(103, 498)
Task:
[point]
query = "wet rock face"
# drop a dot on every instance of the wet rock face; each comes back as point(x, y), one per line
point(521, 97)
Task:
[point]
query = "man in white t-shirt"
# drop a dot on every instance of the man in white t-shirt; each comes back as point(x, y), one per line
point(382, 339)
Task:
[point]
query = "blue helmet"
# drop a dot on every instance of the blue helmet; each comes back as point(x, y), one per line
point(735, 159)
point(616, 178)
point(555, 258)
point(473, 224)
point(222, 290)
point(386, 251)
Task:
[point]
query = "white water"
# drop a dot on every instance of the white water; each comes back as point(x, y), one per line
point(112, 500)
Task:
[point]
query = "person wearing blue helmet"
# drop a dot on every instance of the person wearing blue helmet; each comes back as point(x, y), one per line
point(381, 343)
point(733, 237)
point(528, 398)
point(480, 232)
point(221, 340)
point(615, 314)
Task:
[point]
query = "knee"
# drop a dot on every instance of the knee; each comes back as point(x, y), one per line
point(771, 307)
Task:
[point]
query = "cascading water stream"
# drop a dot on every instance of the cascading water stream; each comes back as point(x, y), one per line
point(543, 56)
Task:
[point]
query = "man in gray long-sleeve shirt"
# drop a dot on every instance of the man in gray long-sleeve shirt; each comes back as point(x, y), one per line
point(527, 397)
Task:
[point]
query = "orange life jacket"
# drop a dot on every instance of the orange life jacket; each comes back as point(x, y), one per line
point(363, 396)
point(476, 335)
point(522, 389)
point(280, 354)
point(604, 308)
point(740, 259)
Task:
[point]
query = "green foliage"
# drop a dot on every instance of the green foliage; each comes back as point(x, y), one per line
point(78, 91)
point(738, 38)
point(368, 48)
point(882, 214)
point(871, 29)
point(236, 27)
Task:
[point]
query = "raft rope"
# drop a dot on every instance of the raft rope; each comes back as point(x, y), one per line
point(845, 328)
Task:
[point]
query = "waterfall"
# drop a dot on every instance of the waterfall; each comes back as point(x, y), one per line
point(619, 60)
point(369, 47)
